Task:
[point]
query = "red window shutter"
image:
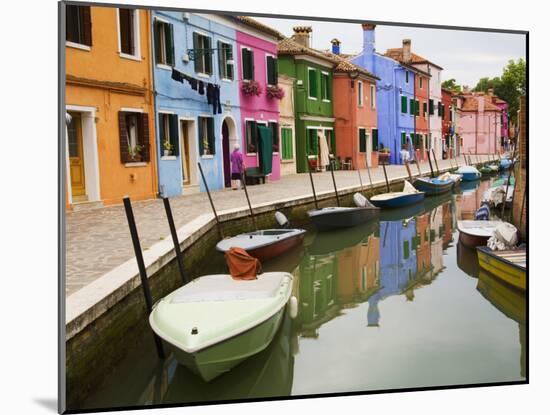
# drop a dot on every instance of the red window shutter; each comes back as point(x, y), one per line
point(86, 21)
point(123, 137)
point(144, 137)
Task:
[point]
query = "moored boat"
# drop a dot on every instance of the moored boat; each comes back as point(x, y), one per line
point(409, 196)
point(505, 164)
point(475, 233)
point(486, 170)
point(509, 265)
point(434, 186)
point(264, 244)
point(215, 322)
point(469, 173)
point(338, 217)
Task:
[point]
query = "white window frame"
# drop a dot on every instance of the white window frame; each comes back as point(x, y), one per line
point(372, 96)
point(223, 42)
point(199, 116)
point(328, 78)
point(360, 97)
point(204, 74)
point(161, 138)
point(162, 65)
point(137, 40)
point(78, 46)
point(309, 70)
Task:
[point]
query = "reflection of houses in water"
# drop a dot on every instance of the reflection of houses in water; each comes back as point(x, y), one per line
point(436, 239)
point(397, 262)
point(422, 243)
point(447, 224)
point(468, 202)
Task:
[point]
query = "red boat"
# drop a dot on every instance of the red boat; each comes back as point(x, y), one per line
point(264, 244)
point(476, 232)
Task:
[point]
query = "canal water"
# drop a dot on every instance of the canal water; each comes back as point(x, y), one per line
point(396, 304)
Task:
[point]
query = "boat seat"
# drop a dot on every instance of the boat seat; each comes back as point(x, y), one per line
point(222, 287)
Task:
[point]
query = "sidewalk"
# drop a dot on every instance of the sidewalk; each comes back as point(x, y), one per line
point(98, 240)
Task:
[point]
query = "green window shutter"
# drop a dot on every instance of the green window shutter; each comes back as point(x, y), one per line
point(244, 56)
point(271, 71)
point(157, 29)
point(403, 104)
point(174, 133)
point(403, 138)
point(424, 108)
point(221, 66)
point(312, 135)
point(431, 107)
point(229, 56)
point(286, 143)
point(405, 249)
point(170, 44)
point(417, 107)
point(196, 47)
point(362, 141)
point(210, 135)
point(312, 76)
point(374, 139)
point(407, 76)
point(208, 56)
point(161, 132)
point(251, 57)
point(201, 136)
point(411, 106)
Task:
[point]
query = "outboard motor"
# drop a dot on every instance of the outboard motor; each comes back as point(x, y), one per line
point(281, 219)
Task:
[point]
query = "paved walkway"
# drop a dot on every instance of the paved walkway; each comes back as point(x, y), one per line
point(98, 240)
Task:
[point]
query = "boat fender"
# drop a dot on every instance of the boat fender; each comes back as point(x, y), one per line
point(293, 307)
point(359, 200)
point(281, 219)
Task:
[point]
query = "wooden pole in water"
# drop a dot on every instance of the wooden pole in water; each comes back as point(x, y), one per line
point(368, 171)
point(386, 177)
point(243, 176)
point(508, 183)
point(334, 182)
point(418, 168)
point(175, 239)
point(435, 161)
point(141, 267)
point(312, 185)
point(430, 162)
point(465, 159)
point(522, 204)
point(360, 180)
point(220, 230)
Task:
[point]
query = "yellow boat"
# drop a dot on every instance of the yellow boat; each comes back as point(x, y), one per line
point(509, 265)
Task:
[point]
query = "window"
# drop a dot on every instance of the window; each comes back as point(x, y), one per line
point(168, 134)
point(325, 86)
point(287, 144)
point(272, 73)
point(403, 138)
point(403, 104)
point(450, 113)
point(79, 25)
point(251, 136)
point(431, 107)
point(442, 111)
point(439, 109)
point(207, 140)
point(360, 94)
point(274, 126)
point(362, 140)
point(248, 64)
point(128, 27)
point(133, 130)
point(225, 55)
point(424, 108)
point(203, 61)
point(407, 77)
point(416, 107)
point(405, 249)
point(372, 96)
point(374, 139)
point(420, 80)
point(331, 141)
point(164, 43)
point(312, 83)
point(312, 141)
point(411, 106)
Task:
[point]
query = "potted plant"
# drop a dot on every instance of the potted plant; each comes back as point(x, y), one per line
point(168, 147)
point(274, 91)
point(384, 154)
point(134, 152)
point(251, 87)
point(205, 147)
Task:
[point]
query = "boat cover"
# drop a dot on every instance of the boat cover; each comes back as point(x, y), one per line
point(467, 169)
point(223, 288)
point(241, 265)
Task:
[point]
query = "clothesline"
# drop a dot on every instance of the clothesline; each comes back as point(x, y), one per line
point(212, 90)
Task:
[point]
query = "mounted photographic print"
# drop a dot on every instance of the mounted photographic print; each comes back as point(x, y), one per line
point(259, 207)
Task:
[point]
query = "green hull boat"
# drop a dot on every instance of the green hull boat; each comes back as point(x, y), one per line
point(215, 322)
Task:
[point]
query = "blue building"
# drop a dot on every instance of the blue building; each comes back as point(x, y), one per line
point(189, 129)
point(395, 96)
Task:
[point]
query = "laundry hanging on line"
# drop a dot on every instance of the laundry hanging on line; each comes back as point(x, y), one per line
point(212, 90)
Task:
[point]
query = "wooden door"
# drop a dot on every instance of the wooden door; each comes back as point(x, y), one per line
point(76, 155)
point(185, 153)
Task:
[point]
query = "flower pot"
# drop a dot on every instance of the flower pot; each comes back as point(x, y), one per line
point(384, 158)
point(167, 152)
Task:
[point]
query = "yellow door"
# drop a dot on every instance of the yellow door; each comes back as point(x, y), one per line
point(76, 156)
point(185, 153)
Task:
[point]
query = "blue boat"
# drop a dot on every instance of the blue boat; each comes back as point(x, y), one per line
point(433, 186)
point(409, 196)
point(505, 164)
point(469, 173)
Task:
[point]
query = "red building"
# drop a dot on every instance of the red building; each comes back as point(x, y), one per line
point(446, 121)
point(421, 128)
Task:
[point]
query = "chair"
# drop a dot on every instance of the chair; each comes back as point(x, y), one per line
point(347, 164)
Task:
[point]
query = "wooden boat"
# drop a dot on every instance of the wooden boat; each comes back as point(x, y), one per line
point(511, 302)
point(338, 217)
point(215, 322)
point(264, 244)
point(486, 170)
point(469, 173)
point(509, 265)
point(409, 196)
point(434, 186)
point(475, 233)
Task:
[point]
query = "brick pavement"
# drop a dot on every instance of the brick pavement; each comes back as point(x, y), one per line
point(98, 240)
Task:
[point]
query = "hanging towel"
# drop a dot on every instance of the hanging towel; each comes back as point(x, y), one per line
point(266, 149)
point(201, 87)
point(323, 148)
point(177, 75)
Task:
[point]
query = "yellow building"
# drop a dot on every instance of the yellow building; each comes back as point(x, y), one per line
point(109, 102)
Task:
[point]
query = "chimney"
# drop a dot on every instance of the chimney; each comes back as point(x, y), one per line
point(335, 46)
point(491, 91)
point(301, 35)
point(406, 50)
point(368, 38)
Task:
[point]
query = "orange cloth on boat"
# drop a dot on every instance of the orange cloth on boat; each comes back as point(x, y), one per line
point(241, 265)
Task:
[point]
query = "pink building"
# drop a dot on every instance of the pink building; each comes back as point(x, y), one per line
point(257, 70)
point(478, 124)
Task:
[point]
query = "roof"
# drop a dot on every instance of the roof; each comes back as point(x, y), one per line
point(250, 22)
point(397, 54)
point(471, 103)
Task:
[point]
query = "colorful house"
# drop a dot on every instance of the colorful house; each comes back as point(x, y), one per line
point(287, 150)
point(421, 127)
point(258, 87)
point(313, 101)
point(354, 112)
point(504, 124)
point(395, 100)
point(478, 124)
point(448, 124)
point(110, 136)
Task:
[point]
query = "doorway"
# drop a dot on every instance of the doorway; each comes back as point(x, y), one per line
point(76, 157)
point(188, 153)
point(226, 155)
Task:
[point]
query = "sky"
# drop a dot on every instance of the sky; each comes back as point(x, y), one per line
point(466, 56)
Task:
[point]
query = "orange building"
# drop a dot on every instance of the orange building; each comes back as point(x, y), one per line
point(109, 103)
point(354, 101)
point(421, 128)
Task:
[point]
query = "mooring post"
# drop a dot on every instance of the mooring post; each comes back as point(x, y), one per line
point(220, 230)
point(465, 159)
point(508, 183)
point(409, 170)
point(368, 171)
point(418, 168)
point(430, 163)
point(386, 177)
point(334, 182)
point(360, 180)
point(435, 161)
point(175, 239)
point(141, 267)
point(312, 185)
point(243, 175)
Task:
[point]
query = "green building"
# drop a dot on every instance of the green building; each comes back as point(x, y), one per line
point(312, 71)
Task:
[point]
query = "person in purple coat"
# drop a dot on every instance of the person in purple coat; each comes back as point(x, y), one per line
point(237, 167)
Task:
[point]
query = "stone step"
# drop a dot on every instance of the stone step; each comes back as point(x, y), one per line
point(87, 205)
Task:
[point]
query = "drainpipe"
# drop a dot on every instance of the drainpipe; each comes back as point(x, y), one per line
point(154, 103)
